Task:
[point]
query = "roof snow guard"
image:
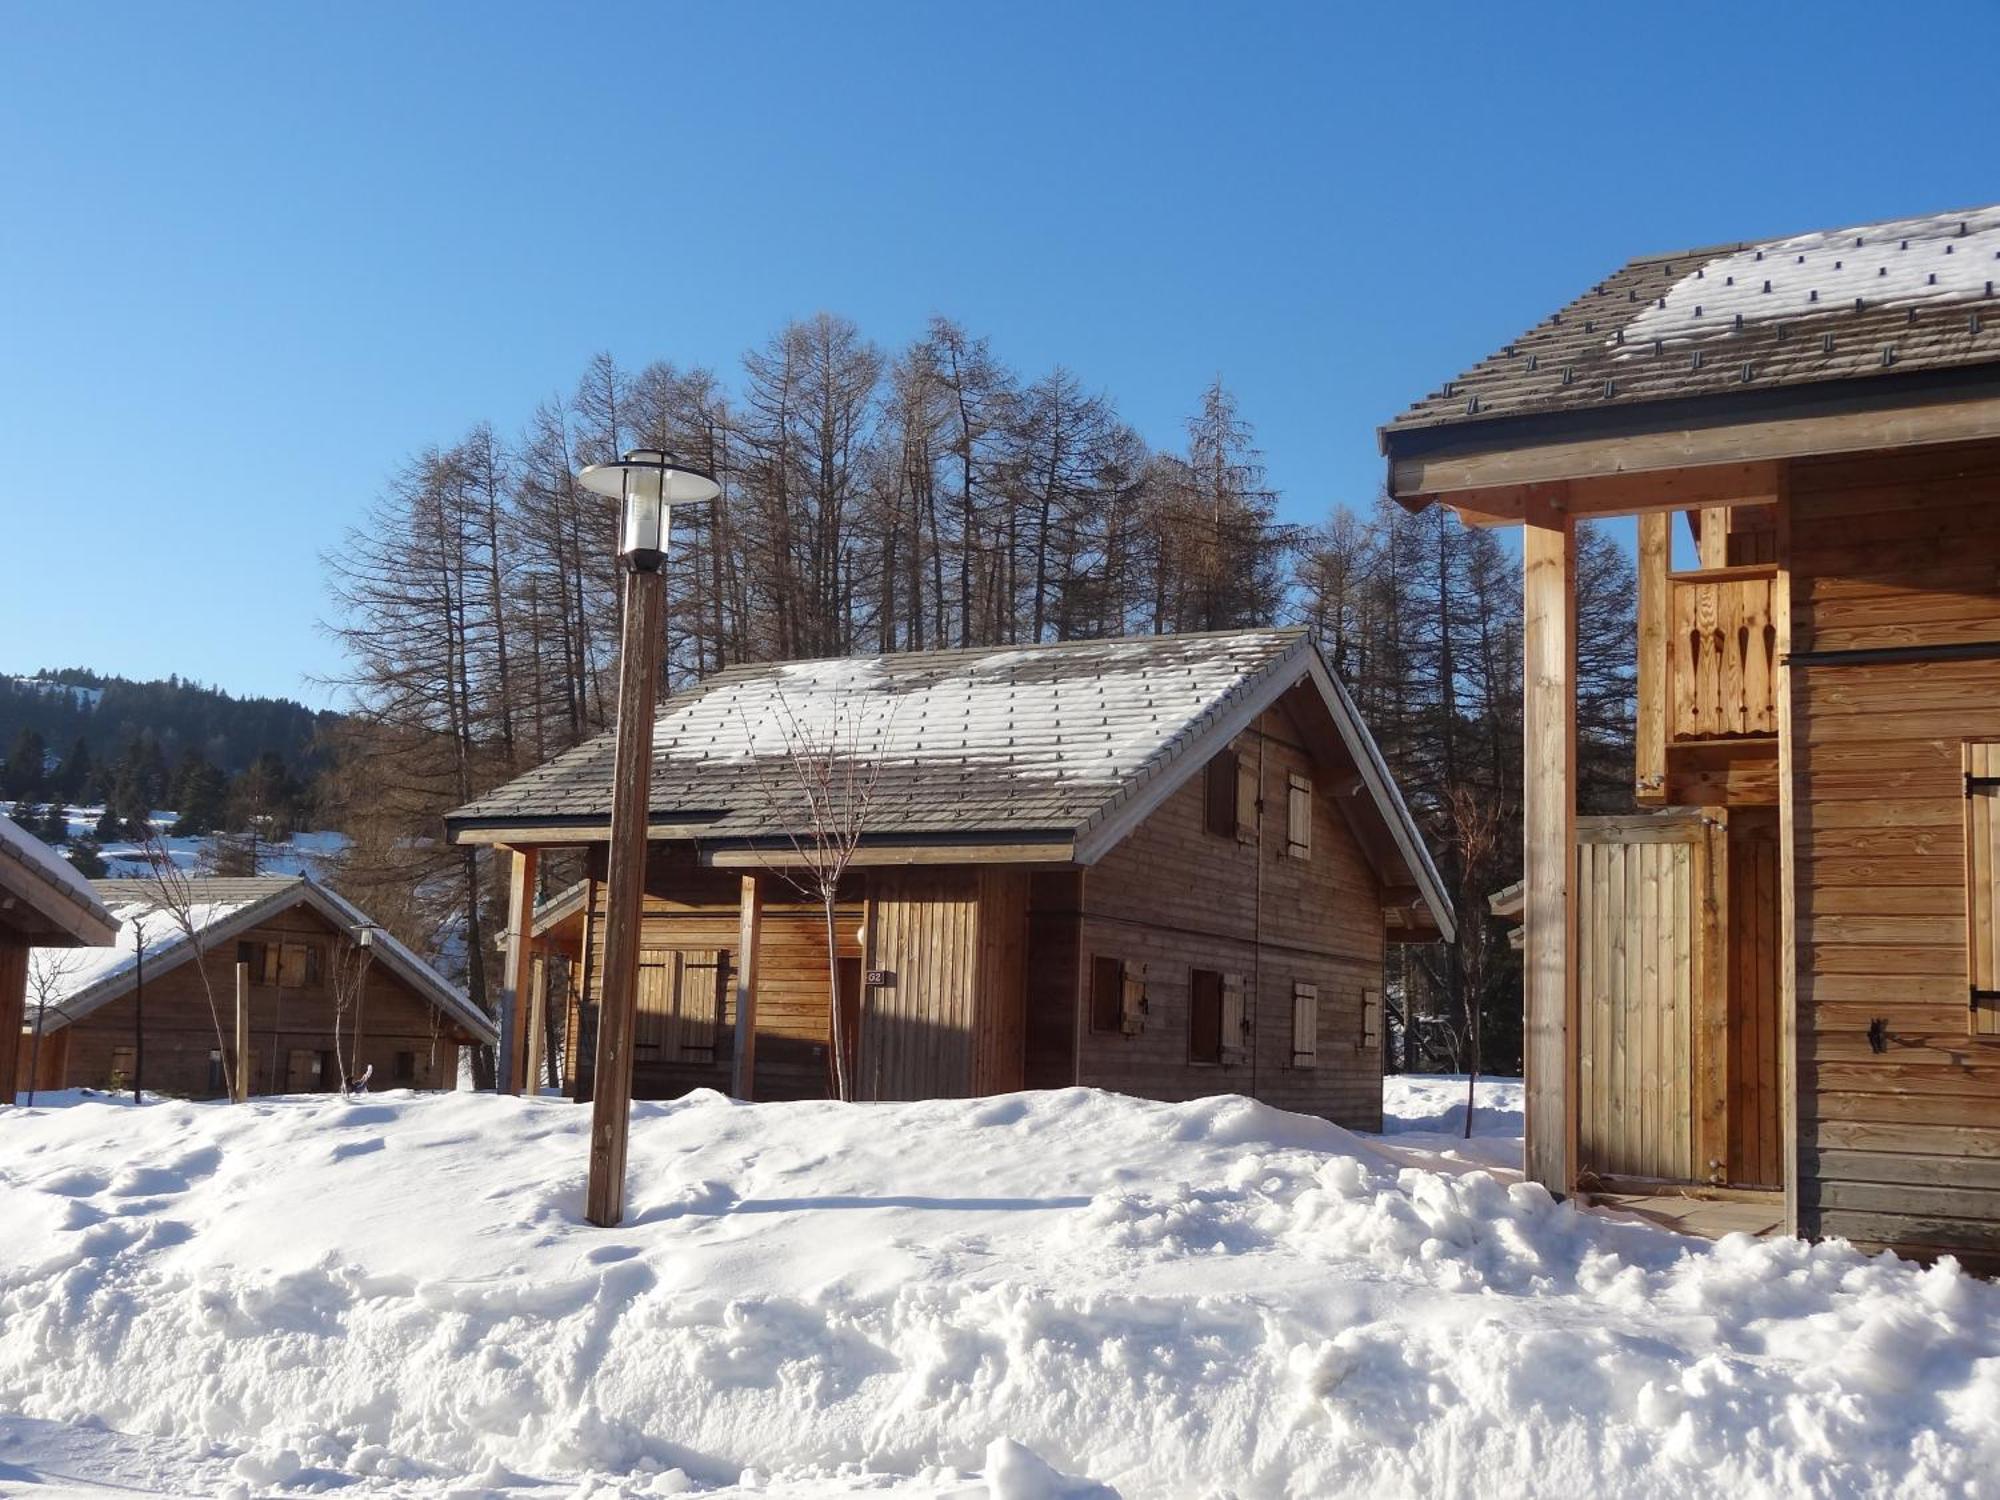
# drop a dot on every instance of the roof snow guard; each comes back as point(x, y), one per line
point(1899, 312)
point(74, 985)
point(43, 899)
point(1051, 752)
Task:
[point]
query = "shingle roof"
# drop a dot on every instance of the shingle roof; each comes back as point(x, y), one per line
point(1066, 743)
point(76, 983)
point(1017, 741)
point(1871, 300)
point(45, 897)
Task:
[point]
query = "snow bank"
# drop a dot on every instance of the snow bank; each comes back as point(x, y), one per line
point(1192, 1299)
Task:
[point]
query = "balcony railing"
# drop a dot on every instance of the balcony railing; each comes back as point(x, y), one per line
point(1721, 645)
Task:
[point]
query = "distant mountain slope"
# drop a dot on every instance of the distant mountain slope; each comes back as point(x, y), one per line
point(108, 713)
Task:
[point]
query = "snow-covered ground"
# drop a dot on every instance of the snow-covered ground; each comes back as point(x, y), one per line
point(1426, 1112)
point(396, 1294)
point(304, 853)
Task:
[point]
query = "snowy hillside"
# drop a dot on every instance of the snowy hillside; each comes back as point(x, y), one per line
point(396, 1294)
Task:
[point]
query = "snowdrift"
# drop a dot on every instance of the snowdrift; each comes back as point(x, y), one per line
point(1195, 1299)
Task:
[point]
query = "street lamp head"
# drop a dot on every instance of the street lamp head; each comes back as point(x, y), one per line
point(647, 484)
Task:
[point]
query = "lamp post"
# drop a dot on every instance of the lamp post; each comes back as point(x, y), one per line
point(648, 483)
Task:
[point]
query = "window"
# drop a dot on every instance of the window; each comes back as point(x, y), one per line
point(1217, 1026)
point(1982, 886)
point(216, 1082)
point(292, 966)
point(1220, 790)
point(1107, 994)
point(313, 976)
point(1229, 797)
point(1371, 1019)
point(1298, 816)
point(263, 967)
point(406, 1067)
point(1305, 1025)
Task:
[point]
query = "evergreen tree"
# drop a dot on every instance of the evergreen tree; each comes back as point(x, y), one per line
point(54, 825)
point(26, 767)
point(110, 827)
point(77, 774)
point(200, 795)
point(89, 861)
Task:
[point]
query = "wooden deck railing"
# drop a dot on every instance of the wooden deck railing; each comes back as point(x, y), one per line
point(1721, 647)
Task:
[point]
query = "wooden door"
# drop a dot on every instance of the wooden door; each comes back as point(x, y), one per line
point(1639, 951)
point(1755, 1155)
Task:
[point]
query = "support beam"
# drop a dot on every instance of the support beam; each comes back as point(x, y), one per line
point(13, 1008)
point(750, 937)
point(1788, 871)
point(538, 1022)
point(1718, 485)
point(625, 901)
point(1548, 816)
point(514, 980)
point(583, 1067)
point(1650, 735)
point(242, 1032)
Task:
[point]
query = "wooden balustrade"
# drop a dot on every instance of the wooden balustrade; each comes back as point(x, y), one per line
point(1721, 648)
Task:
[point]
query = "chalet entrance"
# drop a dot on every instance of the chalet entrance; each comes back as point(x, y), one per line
point(1677, 1022)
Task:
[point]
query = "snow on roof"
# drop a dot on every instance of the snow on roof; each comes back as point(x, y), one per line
point(1900, 263)
point(1013, 740)
point(58, 978)
point(67, 900)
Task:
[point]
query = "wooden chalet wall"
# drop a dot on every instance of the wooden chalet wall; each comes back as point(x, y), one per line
point(291, 1028)
point(693, 910)
point(1176, 897)
point(1897, 1143)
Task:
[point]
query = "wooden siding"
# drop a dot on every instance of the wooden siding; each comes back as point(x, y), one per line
point(692, 911)
point(392, 1023)
point(1176, 898)
point(1898, 1137)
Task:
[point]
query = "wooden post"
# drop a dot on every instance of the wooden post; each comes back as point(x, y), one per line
point(538, 1020)
point(631, 788)
point(1548, 817)
point(242, 1031)
point(1788, 868)
point(514, 981)
point(585, 1065)
point(1650, 748)
point(749, 935)
point(13, 1008)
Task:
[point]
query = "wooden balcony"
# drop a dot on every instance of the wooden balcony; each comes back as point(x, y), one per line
point(1708, 674)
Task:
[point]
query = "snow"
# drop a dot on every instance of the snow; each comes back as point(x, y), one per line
point(1426, 1111)
point(1004, 707)
point(58, 975)
point(31, 851)
point(1900, 263)
point(1028, 1295)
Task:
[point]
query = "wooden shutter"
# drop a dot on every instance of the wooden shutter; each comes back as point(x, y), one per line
point(292, 966)
point(1305, 1024)
point(1131, 998)
point(652, 1025)
point(1371, 1018)
point(1246, 800)
point(702, 974)
point(1298, 816)
point(1107, 994)
point(1982, 885)
point(1204, 1016)
point(1235, 1040)
point(1219, 794)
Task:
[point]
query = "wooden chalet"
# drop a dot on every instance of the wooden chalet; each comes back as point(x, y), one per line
point(1779, 984)
point(94, 1011)
point(44, 904)
point(1168, 866)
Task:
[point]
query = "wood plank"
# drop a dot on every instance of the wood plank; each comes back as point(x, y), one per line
point(749, 944)
point(1650, 740)
point(516, 992)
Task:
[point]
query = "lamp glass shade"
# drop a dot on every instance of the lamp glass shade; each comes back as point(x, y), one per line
point(648, 483)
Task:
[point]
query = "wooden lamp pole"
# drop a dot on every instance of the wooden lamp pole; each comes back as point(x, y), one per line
point(648, 483)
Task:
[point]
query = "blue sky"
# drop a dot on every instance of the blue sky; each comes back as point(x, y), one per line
point(252, 256)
